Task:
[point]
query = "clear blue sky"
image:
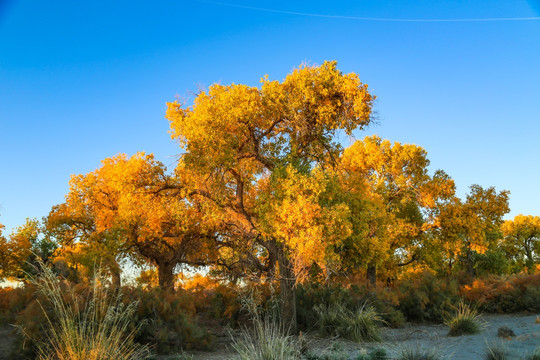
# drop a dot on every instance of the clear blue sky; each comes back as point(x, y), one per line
point(82, 81)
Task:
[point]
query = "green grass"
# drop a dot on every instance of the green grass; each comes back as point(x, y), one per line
point(417, 354)
point(534, 356)
point(464, 321)
point(363, 324)
point(375, 354)
point(495, 352)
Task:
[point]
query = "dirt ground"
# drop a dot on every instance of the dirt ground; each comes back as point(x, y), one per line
point(429, 337)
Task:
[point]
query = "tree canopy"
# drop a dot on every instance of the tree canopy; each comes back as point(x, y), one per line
point(238, 139)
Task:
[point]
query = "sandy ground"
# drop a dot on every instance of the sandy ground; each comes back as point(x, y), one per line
point(467, 347)
point(427, 337)
point(6, 342)
point(431, 337)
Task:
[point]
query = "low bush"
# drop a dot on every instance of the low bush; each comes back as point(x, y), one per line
point(495, 352)
point(313, 296)
point(425, 297)
point(13, 301)
point(505, 294)
point(375, 354)
point(169, 318)
point(464, 321)
point(534, 356)
point(362, 324)
point(417, 354)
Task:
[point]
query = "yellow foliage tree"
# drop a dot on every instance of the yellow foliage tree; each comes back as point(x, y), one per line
point(240, 141)
point(18, 251)
point(471, 226)
point(522, 239)
point(402, 197)
point(132, 206)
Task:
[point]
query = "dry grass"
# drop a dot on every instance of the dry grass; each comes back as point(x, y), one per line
point(98, 330)
point(464, 321)
point(267, 340)
point(364, 324)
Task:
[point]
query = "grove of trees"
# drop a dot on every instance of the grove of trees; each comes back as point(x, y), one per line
point(264, 191)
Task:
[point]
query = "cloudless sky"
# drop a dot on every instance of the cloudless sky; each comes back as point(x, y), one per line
point(82, 81)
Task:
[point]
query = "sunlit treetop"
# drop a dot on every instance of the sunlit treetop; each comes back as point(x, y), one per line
point(249, 128)
point(522, 225)
point(397, 172)
point(522, 238)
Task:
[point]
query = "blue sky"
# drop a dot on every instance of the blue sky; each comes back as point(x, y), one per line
point(80, 82)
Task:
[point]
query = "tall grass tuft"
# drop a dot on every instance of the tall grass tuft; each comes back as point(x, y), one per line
point(464, 321)
point(95, 329)
point(534, 356)
point(417, 354)
point(363, 324)
point(266, 341)
point(495, 352)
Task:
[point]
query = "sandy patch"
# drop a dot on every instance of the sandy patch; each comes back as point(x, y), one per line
point(432, 337)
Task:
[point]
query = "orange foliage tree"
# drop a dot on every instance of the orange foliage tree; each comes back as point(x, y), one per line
point(131, 207)
point(19, 250)
point(245, 145)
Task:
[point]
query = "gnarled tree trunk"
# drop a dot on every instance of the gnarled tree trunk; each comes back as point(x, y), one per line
point(116, 278)
point(166, 275)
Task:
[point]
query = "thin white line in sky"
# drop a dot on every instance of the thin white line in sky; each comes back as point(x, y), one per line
point(364, 18)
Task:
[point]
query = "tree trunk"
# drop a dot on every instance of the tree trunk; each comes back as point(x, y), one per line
point(530, 258)
point(166, 275)
point(116, 278)
point(371, 274)
point(116, 273)
point(470, 264)
point(288, 293)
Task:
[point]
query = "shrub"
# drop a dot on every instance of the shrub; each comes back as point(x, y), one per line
point(166, 321)
point(13, 301)
point(534, 356)
point(426, 297)
point(495, 352)
point(169, 320)
point(464, 321)
point(505, 294)
point(312, 296)
point(340, 355)
point(360, 325)
point(505, 332)
point(96, 330)
point(216, 300)
point(375, 354)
